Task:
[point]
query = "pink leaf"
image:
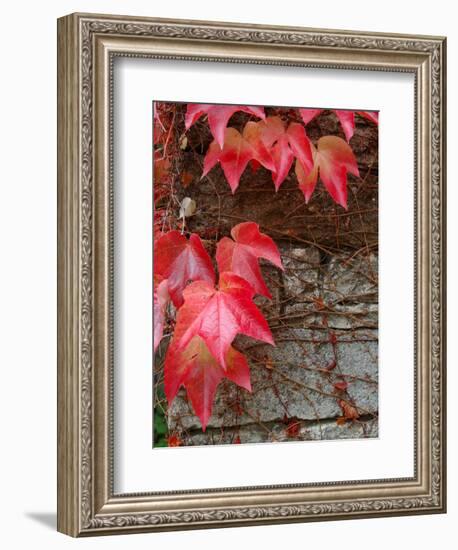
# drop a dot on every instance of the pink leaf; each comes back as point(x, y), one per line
point(347, 121)
point(341, 385)
point(197, 370)
point(308, 114)
point(241, 254)
point(237, 152)
point(285, 144)
point(333, 158)
point(370, 115)
point(217, 316)
point(218, 116)
point(181, 261)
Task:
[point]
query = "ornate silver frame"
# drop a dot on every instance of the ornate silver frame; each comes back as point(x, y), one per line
point(87, 45)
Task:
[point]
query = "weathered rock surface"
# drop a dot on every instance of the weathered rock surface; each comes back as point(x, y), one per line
point(279, 432)
point(324, 321)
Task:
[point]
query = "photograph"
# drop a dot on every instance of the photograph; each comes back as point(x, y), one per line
point(265, 266)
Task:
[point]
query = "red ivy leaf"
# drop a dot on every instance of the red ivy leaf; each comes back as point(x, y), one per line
point(349, 411)
point(341, 386)
point(293, 427)
point(174, 441)
point(241, 254)
point(319, 303)
point(285, 144)
point(331, 366)
point(237, 152)
point(370, 115)
point(160, 300)
point(217, 316)
point(218, 117)
point(333, 158)
point(180, 261)
point(186, 178)
point(197, 370)
point(346, 119)
point(309, 114)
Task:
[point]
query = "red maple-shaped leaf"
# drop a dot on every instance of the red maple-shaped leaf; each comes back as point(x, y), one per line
point(333, 158)
point(350, 412)
point(293, 427)
point(341, 385)
point(237, 152)
point(174, 440)
point(285, 144)
point(309, 114)
point(198, 371)
point(218, 117)
point(346, 119)
point(160, 300)
point(181, 261)
point(217, 316)
point(241, 254)
point(370, 115)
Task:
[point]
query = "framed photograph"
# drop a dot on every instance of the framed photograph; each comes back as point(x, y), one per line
point(251, 281)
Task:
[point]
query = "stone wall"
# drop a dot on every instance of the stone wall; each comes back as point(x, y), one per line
point(324, 320)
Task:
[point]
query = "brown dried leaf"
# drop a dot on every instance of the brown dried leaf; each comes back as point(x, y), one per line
point(349, 411)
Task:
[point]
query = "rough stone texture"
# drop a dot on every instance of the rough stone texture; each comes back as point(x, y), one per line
point(351, 280)
point(324, 321)
point(279, 432)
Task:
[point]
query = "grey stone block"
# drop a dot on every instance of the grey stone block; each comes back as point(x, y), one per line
point(252, 433)
point(315, 349)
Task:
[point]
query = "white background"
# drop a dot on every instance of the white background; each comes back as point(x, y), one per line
point(28, 274)
point(136, 81)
